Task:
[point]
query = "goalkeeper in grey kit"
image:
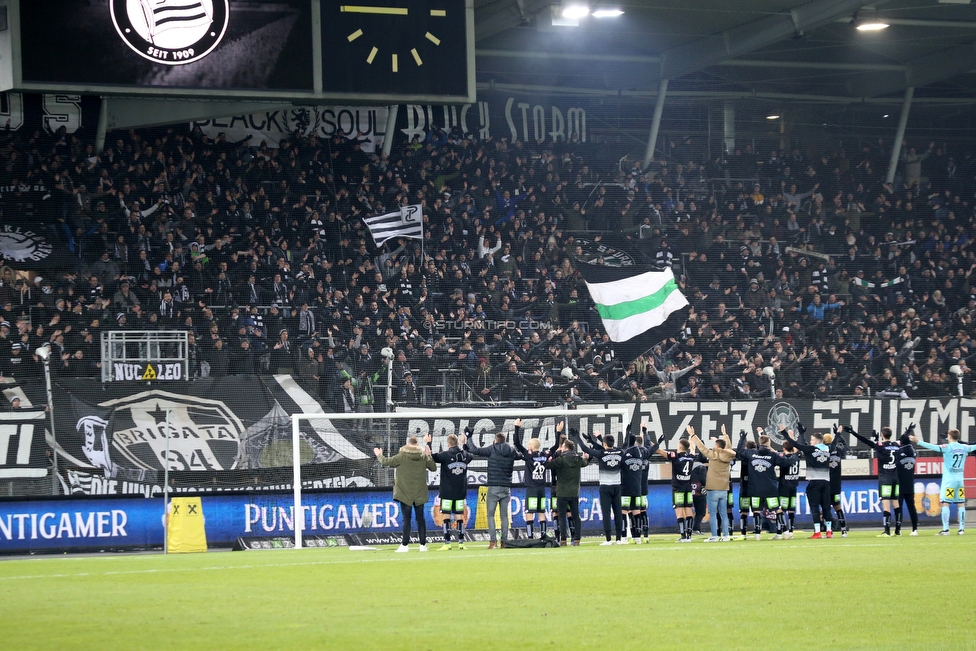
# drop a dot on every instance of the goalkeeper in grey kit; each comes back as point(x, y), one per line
point(454, 488)
point(610, 458)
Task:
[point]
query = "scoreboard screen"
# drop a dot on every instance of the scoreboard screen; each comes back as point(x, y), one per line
point(389, 51)
point(222, 44)
point(396, 47)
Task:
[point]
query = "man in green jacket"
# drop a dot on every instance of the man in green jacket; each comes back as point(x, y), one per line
point(566, 467)
point(410, 486)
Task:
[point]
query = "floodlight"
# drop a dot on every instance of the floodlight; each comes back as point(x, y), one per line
point(576, 11)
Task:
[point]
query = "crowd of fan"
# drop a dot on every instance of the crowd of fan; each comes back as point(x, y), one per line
point(806, 277)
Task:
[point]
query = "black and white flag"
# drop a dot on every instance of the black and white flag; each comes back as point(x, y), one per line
point(407, 222)
point(162, 15)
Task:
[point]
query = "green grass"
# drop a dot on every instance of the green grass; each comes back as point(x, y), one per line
point(855, 593)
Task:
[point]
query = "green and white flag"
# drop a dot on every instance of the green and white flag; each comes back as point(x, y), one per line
point(631, 302)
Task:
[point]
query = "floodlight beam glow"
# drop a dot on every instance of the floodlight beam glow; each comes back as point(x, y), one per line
point(576, 11)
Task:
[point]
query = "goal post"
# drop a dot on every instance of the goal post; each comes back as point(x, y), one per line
point(399, 425)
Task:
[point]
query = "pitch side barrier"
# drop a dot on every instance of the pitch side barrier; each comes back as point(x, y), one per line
point(236, 436)
point(128, 523)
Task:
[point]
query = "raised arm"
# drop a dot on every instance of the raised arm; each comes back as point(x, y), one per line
point(840, 443)
point(802, 447)
point(559, 431)
point(517, 437)
point(741, 446)
point(583, 446)
point(388, 462)
point(863, 439)
point(926, 445)
point(474, 449)
point(696, 443)
point(593, 440)
point(651, 445)
point(662, 449)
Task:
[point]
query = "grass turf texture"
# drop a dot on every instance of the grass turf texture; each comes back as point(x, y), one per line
point(855, 593)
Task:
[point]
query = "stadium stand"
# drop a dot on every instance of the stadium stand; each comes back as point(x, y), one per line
point(805, 262)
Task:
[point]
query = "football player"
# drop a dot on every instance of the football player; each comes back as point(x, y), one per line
point(454, 488)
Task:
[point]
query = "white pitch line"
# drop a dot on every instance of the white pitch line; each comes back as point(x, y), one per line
point(214, 568)
point(417, 557)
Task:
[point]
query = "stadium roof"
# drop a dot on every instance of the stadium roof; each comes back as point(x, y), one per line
point(717, 48)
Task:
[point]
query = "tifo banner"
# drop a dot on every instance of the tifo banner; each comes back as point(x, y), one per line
point(26, 245)
point(33, 112)
point(222, 435)
point(931, 416)
point(22, 446)
point(236, 436)
point(116, 523)
point(364, 123)
point(529, 119)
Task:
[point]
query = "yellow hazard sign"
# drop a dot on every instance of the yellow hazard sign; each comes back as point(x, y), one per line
point(481, 514)
point(149, 373)
point(185, 531)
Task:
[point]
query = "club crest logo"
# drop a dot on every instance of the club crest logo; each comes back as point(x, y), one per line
point(592, 250)
point(203, 434)
point(410, 213)
point(171, 32)
point(782, 413)
point(22, 245)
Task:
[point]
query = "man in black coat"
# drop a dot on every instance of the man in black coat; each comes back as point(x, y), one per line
point(501, 461)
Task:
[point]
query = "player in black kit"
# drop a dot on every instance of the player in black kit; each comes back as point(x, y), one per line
point(681, 463)
point(633, 483)
point(763, 482)
point(535, 478)
point(817, 457)
point(838, 450)
point(744, 499)
point(888, 485)
point(454, 488)
point(610, 459)
point(905, 462)
point(789, 479)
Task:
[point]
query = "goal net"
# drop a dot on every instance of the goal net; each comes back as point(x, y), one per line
point(361, 433)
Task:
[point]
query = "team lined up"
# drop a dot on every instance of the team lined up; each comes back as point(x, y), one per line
point(770, 479)
point(768, 485)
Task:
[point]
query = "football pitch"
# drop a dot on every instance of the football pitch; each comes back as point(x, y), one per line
point(860, 592)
